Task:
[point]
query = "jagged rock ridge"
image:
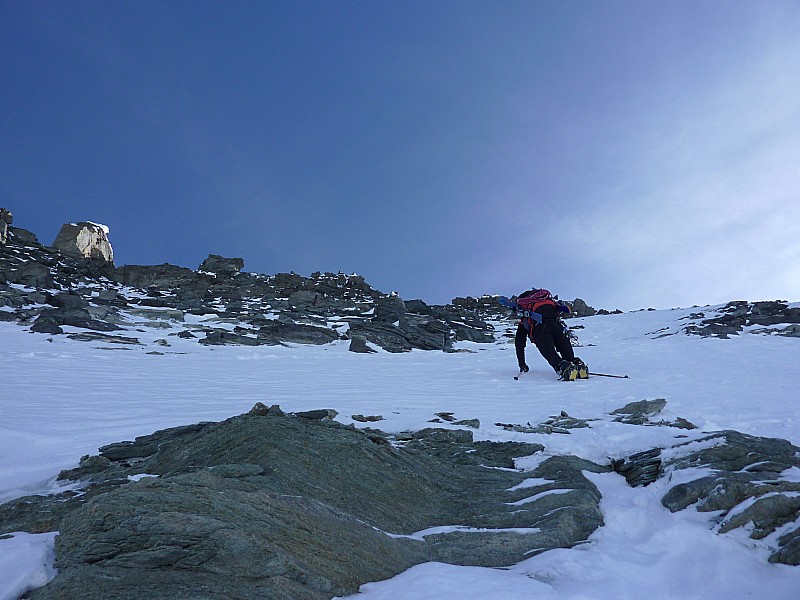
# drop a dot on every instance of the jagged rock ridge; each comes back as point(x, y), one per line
point(49, 289)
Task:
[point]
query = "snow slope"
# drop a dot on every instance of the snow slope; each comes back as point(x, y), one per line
point(62, 399)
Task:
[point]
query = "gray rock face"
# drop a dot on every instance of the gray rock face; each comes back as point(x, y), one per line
point(272, 506)
point(85, 240)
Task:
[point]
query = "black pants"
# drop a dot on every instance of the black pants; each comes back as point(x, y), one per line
point(551, 341)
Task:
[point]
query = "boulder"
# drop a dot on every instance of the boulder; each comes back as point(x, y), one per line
point(7, 316)
point(91, 336)
point(221, 337)
point(424, 334)
point(85, 240)
point(319, 414)
point(37, 298)
point(388, 337)
point(581, 309)
point(74, 317)
point(221, 266)
point(23, 236)
point(304, 300)
point(68, 300)
point(33, 275)
point(471, 334)
point(277, 332)
point(390, 309)
point(164, 276)
point(360, 346)
point(46, 325)
point(639, 413)
point(419, 307)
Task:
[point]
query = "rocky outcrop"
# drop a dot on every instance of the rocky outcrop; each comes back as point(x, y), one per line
point(6, 218)
point(740, 481)
point(265, 310)
point(164, 276)
point(581, 309)
point(221, 266)
point(644, 411)
point(278, 506)
point(23, 235)
point(85, 240)
point(760, 317)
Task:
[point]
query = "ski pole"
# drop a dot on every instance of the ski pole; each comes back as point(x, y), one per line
point(604, 375)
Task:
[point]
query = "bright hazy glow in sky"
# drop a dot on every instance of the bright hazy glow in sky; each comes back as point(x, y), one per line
point(631, 153)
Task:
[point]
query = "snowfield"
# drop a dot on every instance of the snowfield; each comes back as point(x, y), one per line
point(62, 399)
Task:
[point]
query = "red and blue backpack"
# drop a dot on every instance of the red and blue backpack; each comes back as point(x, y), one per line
point(529, 301)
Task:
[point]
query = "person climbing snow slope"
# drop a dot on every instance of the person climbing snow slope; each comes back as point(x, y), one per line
point(541, 323)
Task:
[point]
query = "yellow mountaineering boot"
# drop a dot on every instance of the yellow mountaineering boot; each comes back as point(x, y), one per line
point(583, 370)
point(568, 371)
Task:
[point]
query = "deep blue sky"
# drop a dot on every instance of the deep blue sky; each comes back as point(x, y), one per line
point(632, 153)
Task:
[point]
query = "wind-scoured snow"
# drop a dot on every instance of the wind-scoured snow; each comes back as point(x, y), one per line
point(62, 399)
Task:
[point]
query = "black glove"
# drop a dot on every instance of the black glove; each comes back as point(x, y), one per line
point(523, 368)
